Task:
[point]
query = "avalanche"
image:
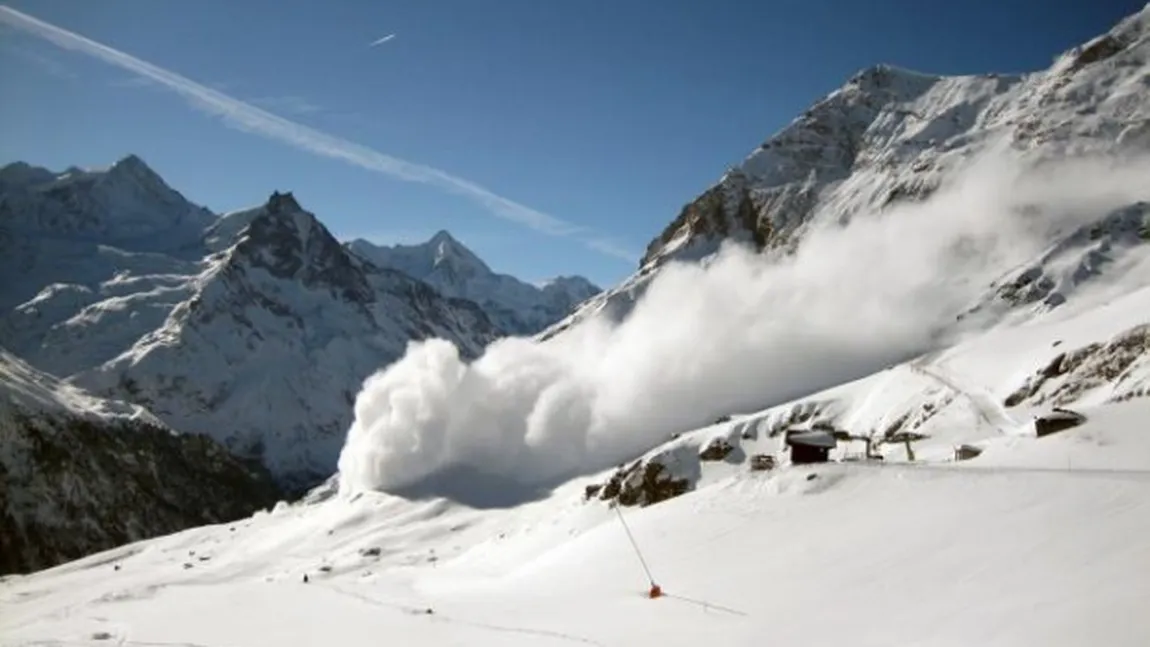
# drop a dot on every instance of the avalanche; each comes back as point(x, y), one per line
point(965, 298)
point(751, 334)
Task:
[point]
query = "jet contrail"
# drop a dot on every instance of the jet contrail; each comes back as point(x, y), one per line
point(246, 117)
point(381, 41)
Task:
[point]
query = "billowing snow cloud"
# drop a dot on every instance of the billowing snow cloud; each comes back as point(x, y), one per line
point(737, 335)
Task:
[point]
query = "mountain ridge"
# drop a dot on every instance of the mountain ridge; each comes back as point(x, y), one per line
point(195, 315)
point(454, 270)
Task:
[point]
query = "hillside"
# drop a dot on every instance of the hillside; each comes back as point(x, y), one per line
point(79, 474)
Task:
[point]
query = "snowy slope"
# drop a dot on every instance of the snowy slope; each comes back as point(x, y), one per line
point(984, 392)
point(1028, 543)
point(453, 270)
point(1018, 550)
point(891, 136)
point(81, 474)
point(1032, 542)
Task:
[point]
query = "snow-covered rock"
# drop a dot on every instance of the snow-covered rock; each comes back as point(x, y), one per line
point(452, 269)
point(81, 474)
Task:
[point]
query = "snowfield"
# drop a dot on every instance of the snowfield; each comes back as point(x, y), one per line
point(1012, 549)
point(1034, 542)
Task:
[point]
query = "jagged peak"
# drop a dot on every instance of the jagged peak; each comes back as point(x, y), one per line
point(133, 167)
point(1118, 39)
point(443, 236)
point(283, 203)
point(570, 283)
point(884, 72)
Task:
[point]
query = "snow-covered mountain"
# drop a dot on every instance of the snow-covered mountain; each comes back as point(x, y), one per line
point(256, 327)
point(454, 270)
point(80, 474)
point(951, 512)
point(892, 136)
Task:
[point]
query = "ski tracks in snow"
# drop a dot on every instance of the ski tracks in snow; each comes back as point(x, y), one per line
point(437, 617)
point(982, 402)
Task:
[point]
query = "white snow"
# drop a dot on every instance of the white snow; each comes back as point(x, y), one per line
point(1017, 547)
point(751, 334)
point(25, 389)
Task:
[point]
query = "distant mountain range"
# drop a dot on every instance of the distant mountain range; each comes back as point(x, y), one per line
point(454, 271)
point(254, 327)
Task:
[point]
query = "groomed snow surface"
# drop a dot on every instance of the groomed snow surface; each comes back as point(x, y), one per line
point(1048, 549)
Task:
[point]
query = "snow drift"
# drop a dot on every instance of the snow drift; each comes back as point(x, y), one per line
point(733, 333)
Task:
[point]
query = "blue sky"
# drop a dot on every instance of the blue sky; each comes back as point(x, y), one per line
point(606, 115)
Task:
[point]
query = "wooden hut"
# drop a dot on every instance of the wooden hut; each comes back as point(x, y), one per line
point(809, 446)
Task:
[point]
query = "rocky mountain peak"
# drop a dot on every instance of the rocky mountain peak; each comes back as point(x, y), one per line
point(574, 286)
point(290, 243)
point(126, 204)
point(283, 203)
point(132, 166)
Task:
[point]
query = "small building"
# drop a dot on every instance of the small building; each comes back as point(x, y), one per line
point(1056, 421)
point(966, 452)
point(809, 446)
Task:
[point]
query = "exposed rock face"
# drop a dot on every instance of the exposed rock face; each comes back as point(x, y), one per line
point(79, 475)
point(1077, 259)
point(1120, 366)
point(644, 483)
point(717, 450)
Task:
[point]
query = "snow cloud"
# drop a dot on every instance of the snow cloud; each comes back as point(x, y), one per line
point(734, 336)
point(249, 118)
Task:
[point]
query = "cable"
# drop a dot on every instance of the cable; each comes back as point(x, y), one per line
point(638, 552)
point(656, 590)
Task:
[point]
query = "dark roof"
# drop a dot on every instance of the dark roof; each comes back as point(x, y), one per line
point(813, 438)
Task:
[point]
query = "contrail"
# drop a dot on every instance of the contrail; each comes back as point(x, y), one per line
point(381, 41)
point(246, 117)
